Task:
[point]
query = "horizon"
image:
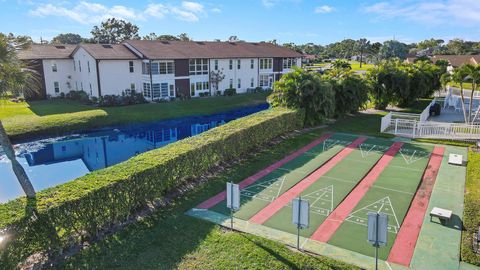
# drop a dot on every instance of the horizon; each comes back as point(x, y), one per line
point(409, 21)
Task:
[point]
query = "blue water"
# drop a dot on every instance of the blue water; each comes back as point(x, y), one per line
point(52, 161)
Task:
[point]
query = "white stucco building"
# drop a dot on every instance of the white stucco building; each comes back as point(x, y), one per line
point(159, 69)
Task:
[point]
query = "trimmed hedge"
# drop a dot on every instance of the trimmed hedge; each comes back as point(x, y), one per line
point(101, 199)
point(471, 214)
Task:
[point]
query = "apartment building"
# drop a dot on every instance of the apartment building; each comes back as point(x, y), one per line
point(159, 69)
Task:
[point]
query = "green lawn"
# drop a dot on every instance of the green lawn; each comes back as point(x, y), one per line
point(54, 117)
point(170, 239)
point(465, 85)
point(356, 66)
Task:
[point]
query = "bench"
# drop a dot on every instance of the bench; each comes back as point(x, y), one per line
point(442, 214)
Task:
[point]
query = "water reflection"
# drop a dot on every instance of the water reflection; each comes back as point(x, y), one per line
point(54, 161)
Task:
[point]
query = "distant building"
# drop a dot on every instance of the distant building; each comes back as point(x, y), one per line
point(309, 58)
point(457, 60)
point(158, 69)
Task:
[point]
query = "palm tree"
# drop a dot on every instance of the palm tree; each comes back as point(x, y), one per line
point(473, 75)
point(14, 76)
point(445, 79)
point(459, 76)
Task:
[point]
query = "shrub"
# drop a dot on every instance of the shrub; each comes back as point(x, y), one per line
point(351, 93)
point(303, 90)
point(80, 96)
point(106, 197)
point(127, 98)
point(471, 215)
point(230, 92)
point(204, 94)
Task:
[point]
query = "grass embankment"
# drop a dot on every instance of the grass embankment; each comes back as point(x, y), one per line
point(55, 117)
point(356, 66)
point(471, 215)
point(170, 239)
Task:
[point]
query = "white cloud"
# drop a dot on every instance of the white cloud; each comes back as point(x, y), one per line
point(324, 9)
point(271, 3)
point(216, 10)
point(156, 10)
point(432, 12)
point(90, 12)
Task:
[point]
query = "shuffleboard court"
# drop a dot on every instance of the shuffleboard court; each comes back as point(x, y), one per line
point(330, 189)
point(391, 194)
point(262, 192)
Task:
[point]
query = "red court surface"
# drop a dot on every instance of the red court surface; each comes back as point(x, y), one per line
point(267, 212)
point(402, 250)
point(336, 218)
point(252, 179)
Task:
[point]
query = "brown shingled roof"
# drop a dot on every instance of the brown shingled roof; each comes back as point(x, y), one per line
point(455, 60)
point(193, 49)
point(109, 51)
point(50, 51)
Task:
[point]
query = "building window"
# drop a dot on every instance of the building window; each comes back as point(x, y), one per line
point(81, 86)
point(264, 81)
point(130, 66)
point(164, 89)
point(91, 92)
point(88, 66)
point(252, 82)
point(239, 64)
point(146, 90)
point(230, 64)
point(145, 68)
point(252, 63)
point(76, 85)
point(216, 64)
point(231, 83)
point(205, 86)
point(199, 86)
point(56, 86)
point(288, 63)
point(266, 63)
point(172, 90)
point(79, 66)
point(54, 67)
point(132, 87)
point(239, 83)
point(74, 65)
point(155, 90)
point(154, 69)
point(198, 66)
point(192, 89)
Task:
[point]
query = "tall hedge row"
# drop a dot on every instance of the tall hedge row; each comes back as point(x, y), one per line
point(471, 213)
point(94, 202)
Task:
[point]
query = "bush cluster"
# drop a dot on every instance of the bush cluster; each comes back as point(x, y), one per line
point(79, 96)
point(127, 98)
point(76, 211)
point(230, 92)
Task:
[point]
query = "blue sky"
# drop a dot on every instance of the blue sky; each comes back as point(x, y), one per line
point(298, 21)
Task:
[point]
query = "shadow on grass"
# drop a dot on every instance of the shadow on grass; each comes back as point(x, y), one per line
point(51, 107)
point(287, 262)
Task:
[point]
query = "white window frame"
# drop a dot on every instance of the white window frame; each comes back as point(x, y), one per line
point(198, 66)
point(252, 63)
point(230, 64)
point(239, 83)
point(131, 66)
point(56, 87)
point(54, 67)
point(252, 82)
point(216, 64)
point(266, 63)
point(147, 90)
point(239, 64)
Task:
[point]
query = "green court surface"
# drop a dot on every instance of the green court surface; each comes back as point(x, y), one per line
point(391, 194)
point(261, 193)
point(330, 189)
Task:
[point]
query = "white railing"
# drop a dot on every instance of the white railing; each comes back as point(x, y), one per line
point(432, 130)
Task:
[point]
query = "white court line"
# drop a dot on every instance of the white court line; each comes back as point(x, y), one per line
point(394, 190)
point(281, 185)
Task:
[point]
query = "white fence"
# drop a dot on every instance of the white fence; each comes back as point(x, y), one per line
point(413, 125)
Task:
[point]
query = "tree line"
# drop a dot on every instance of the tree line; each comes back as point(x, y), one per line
point(340, 91)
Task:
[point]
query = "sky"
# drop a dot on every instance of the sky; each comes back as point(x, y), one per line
point(298, 21)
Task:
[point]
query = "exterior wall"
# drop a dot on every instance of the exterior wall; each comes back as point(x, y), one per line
point(64, 76)
point(245, 73)
point(83, 78)
point(115, 76)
